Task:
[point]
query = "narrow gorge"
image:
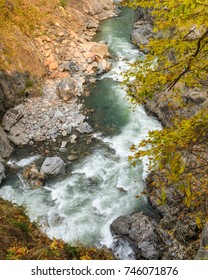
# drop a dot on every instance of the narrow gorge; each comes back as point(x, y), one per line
point(67, 127)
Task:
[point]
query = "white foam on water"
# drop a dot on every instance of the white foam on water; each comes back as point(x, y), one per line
point(23, 162)
point(102, 187)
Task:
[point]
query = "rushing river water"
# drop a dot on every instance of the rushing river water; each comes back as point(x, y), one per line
point(101, 186)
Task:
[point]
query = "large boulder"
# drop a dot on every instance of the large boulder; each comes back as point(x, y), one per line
point(66, 89)
point(5, 147)
point(143, 14)
point(2, 172)
point(202, 253)
point(166, 107)
point(141, 233)
point(96, 49)
point(9, 86)
point(100, 50)
point(197, 96)
point(34, 178)
point(141, 34)
point(18, 136)
point(53, 166)
point(147, 239)
point(16, 130)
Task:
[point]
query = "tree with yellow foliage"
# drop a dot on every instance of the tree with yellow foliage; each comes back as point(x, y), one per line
point(177, 58)
point(179, 49)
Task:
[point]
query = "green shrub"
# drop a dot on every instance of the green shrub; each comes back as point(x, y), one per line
point(63, 3)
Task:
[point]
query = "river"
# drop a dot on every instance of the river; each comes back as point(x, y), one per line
point(101, 185)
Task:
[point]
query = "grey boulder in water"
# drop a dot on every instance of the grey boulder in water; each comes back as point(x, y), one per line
point(53, 166)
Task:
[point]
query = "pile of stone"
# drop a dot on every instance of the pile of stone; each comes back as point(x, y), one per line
point(45, 118)
point(65, 53)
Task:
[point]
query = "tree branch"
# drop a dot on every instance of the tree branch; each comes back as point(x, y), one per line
point(188, 67)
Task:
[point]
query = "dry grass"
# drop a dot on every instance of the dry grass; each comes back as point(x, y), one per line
point(22, 240)
point(20, 22)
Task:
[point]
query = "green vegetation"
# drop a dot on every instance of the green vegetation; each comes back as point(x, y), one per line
point(29, 82)
point(179, 46)
point(178, 154)
point(22, 240)
point(177, 59)
point(63, 3)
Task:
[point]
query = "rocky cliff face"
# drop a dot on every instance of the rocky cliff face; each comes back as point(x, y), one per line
point(97, 9)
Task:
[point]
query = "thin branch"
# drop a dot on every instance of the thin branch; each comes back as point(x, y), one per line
point(192, 30)
point(193, 168)
point(178, 78)
point(199, 43)
point(198, 48)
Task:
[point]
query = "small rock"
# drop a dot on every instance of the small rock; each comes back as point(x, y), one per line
point(65, 42)
point(62, 150)
point(40, 42)
point(62, 75)
point(84, 128)
point(63, 144)
point(65, 66)
point(59, 115)
point(79, 119)
point(47, 47)
point(77, 54)
point(66, 127)
point(89, 55)
point(48, 53)
point(17, 135)
point(73, 44)
point(53, 65)
point(72, 138)
point(72, 157)
point(92, 24)
point(92, 81)
point(64, 133)
point(61, 34)
point(39, 137)
point(52, 131)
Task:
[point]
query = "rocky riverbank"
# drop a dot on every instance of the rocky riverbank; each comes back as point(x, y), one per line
point(49, 93)
point(176, 235)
